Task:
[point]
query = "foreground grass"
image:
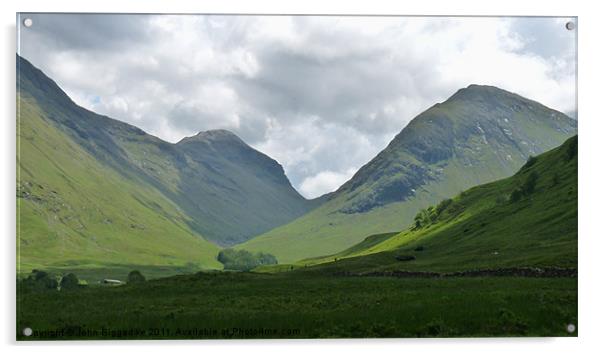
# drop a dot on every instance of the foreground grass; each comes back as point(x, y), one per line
point(296, 305)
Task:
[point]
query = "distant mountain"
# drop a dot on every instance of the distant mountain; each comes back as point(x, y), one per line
point(527, 220)
point(478, 135)
point(231, 191)
point(93, 190)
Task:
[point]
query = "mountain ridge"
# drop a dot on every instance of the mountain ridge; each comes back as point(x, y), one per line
point(184, 193)
point(480, 134)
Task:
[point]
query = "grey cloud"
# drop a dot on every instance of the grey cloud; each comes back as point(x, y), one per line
point(317, 94)
point(90, 31)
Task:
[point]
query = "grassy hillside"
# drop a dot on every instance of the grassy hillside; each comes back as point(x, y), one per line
point(74, 211)
point(228, 191)
point(527, 220)
point(478, 135)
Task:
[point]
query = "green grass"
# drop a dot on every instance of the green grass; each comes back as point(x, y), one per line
point(479, 135)
point(296, 305)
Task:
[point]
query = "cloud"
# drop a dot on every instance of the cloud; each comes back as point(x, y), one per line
point(324, 182)
point(322, 95)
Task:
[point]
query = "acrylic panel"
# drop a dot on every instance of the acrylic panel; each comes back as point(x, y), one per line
point(261, 177)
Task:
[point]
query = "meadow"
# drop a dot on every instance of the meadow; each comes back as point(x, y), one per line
point(297, 304)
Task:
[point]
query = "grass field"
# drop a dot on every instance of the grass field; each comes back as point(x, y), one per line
point(295, 305)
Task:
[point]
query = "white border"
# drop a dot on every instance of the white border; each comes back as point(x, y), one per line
point(590, 116)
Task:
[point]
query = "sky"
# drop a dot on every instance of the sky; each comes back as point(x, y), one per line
point(321, 95)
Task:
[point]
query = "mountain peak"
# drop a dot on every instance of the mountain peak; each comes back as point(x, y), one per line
point(216, 133)
point(213, 135)
point(486, 92)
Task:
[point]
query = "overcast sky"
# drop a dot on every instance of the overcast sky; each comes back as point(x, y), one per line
point(321, 95)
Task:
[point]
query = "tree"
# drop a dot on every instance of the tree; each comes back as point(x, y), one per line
point(530, 162)
point(442, 206)
point(516, 195)
point(39, 281)
point(571, 151)
point(69, 282)
point(529, 185)
point(135, 277)
point(266, 258)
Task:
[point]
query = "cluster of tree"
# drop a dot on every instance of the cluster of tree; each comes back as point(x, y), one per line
point(244, 260)
point(39, 280)
point(431, 214)
point(525, 189)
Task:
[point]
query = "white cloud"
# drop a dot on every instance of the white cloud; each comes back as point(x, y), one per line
point(322, 95)
point(324, 182)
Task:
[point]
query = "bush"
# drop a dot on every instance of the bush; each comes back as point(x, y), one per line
point(135, 277)
point(69, 282)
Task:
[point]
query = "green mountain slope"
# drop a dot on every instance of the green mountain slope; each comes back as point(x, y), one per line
point(478, 135)
point(507, 223)
point(74, 211)
point(95, 190)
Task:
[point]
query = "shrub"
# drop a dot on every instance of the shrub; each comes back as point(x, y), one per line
point(135, 277)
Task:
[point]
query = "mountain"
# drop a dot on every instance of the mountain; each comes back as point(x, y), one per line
point(93, 190)
point(527, 220)
point(478, 135)
point(232, 191)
